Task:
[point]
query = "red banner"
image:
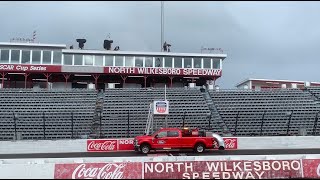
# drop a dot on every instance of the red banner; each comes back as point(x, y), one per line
point(311, 168)
point(29, 68)
point(162, 71)
point(125, 170)
point(98, 145)
point(125, 144)
point(256, 169)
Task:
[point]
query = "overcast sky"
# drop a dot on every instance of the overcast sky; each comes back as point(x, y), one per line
point(270, 40)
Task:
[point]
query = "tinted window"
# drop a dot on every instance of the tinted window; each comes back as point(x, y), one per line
point(88, 60)
point(197, 62)
point(4, 57)
point(98, 61)
point(177, 62)
point(216, 63)
point(168, 62)
point(139, 62)
point(187, 63)
point(46, 59)
point(119, 61)
point(149, 62)
point(57, 57)
point(158, 62)
point(15, 55)
point(67, 59)
point(128, 61)
point(109, 60)
point(36, 57)
point(206, 62)
point(162, 134)
point(78, 59)
point(173, 134)
point(25, 59)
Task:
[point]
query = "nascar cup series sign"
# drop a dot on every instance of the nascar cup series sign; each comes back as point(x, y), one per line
point(161, 107)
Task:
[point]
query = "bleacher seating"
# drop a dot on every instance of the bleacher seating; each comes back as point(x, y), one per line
point(277, 103)
point(32, 108)
point(137, 101)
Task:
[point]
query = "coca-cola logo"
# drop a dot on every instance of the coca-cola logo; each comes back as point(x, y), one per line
point(318, 170)
point(101, 145)
point(108, 171)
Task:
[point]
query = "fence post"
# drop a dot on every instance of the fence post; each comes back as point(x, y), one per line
point(289, 121)
point(44, 126)
point(315, 124)
point(235, 129)
point(100, 124)
point(128, 124)
point(262, 121)
point(15, 126)
point(71, 125)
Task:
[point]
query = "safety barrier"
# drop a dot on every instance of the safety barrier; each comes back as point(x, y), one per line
point(106, 145)
point(165, 167)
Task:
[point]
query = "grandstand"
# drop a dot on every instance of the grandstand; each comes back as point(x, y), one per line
point(60, 114)
point(50, 92)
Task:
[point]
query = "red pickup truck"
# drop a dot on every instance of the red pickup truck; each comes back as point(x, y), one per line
point(175, 138)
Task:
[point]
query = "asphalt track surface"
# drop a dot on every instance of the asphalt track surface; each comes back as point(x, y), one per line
point(160, 153)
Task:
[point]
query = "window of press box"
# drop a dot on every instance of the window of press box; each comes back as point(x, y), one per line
point(77, 59)
point(128, 61)
point(215, 63)
point(57, 57)
point(197, 62)
point(118, 60)
point(88, 60)
point(187, 63)
point(206, 62)
point(149, 62)
point(67, 59)
point(158, 62)
point(25, 58)
point(4, 56)
point(15, 56)
point(177, 62)
point(139, 62)
point(168, 62)
point(98, 60)
point(36, 57)
point(46, 57)
point(109, 60)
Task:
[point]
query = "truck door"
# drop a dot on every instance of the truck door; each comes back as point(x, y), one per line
point(167, 139)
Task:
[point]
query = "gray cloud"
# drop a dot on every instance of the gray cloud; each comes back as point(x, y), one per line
point(277, 40)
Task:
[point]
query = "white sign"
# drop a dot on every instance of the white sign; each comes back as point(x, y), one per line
point(161, 107)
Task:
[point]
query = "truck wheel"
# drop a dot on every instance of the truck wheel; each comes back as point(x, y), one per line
point(145, 148)
point(199, 148)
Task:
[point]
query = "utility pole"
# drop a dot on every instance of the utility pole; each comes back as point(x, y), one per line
point(162, 25)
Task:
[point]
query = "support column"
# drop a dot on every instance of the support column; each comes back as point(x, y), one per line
point(66, 76)
point(3, 74)
point(96, 76)
point(171, 77)
point(124, 79)
point(214, 81)
point(145, 81)
point(47, 75)
point(25, 79)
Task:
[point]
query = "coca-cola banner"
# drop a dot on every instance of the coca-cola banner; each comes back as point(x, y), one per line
point(257, 169)
point(102, 145)
point(105, 145)
point(229, 143)
point(125, 170)
point(311, 168)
